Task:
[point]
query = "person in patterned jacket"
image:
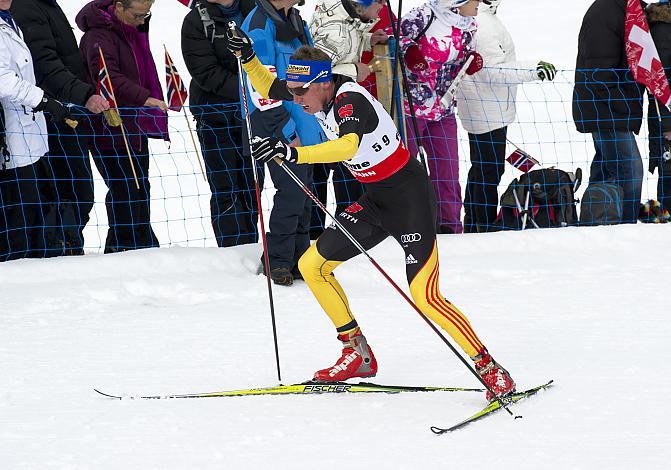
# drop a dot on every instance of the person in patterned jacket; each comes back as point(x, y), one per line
point(398, 200)
point(436, 39)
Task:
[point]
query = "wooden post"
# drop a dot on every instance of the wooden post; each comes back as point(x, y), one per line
point(384, 82)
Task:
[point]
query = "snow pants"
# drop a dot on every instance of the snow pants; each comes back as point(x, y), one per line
point(439, 139)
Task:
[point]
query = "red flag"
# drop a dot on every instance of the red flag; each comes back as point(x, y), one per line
point(177, 93)
point(104, 83)
point(522, 160)
point(187, 3)
point(642, 54)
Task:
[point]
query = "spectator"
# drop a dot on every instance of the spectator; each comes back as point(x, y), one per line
point(25, 142)
point(659, 125)
point(60, 71)
point(120, 29)
point(215, 103)
point(486, 106)
point(342, 29)
point(608, 103)
point(277, 30)
point(436, 38)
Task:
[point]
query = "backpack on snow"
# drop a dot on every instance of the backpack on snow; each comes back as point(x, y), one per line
point(602, 204)
point(540, 199)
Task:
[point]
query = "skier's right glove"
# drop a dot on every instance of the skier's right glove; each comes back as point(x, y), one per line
point(265, 149)
point(546, 71)
point(54, 108)
point(239, 43)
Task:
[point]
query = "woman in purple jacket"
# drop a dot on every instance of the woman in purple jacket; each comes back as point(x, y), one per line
point(120, 29)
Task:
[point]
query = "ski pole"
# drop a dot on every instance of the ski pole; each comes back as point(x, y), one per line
point(447, 98)
point(363, 251)
point(257, 190)
point(398, 56)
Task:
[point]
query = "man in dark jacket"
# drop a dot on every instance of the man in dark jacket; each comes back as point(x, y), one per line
point(60, 72)
point(659, 128)
point(608, 103)
point(277, 30)
point(120, 29)
point(215, 103)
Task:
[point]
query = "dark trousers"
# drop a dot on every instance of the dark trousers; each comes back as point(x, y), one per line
point(618, 159)
point(68, 190)
point(488, 153)
point(346, 188)
point(127, 206)
point(22, 232)
point(289, 223)
point(664, 184)
point(233, 205)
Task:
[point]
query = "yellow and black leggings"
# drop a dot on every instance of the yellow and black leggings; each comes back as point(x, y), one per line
point(403, 206)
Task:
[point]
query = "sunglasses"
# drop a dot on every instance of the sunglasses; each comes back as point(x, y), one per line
point(303, 89)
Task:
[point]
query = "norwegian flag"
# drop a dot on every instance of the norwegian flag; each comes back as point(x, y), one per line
point(187, 3)
point(177, 93)
point(104, 82)
point(642, 54)
point(522, 160)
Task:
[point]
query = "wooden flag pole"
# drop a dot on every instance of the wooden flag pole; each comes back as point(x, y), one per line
point(186, 116)
point(123, 130)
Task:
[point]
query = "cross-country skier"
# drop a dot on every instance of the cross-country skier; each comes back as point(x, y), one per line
point(399, 200)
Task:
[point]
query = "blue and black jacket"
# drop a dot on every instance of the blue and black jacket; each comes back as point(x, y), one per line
point(276, 37)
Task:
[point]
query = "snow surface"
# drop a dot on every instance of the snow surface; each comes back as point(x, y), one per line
point(582, 306)
point(586, 307)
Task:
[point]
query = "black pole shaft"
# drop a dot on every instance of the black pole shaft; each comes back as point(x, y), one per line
point(257, 190)
point(405, 296)
point(398, 57)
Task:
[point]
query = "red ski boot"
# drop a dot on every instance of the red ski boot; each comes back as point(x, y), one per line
point(495, 376)
point(357, 360)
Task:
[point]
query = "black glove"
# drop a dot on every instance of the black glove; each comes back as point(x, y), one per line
point(239, 43)
point(55, 108)
point(265, 149)
point(546, 71)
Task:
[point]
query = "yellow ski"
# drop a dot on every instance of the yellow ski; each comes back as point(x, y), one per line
point(306, 388)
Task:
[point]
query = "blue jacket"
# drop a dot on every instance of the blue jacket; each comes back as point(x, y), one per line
point(276, 37)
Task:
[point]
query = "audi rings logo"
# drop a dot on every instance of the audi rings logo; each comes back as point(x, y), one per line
point(410, 237)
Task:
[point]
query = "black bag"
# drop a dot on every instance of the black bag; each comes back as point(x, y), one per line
point(540, 199)
point(602, 204)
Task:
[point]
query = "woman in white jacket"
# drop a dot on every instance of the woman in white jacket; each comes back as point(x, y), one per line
point(25, 132)
point(486, 106)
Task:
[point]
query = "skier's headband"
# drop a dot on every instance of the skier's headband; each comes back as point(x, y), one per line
point(308, 71)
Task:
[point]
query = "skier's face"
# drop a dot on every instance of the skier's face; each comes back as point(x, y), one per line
point(312, 99)
point(5, 4)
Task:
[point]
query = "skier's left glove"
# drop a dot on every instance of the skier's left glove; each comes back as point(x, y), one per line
point(265, 149)
point(239, 44)
point(476, 64)
point(546, 71)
